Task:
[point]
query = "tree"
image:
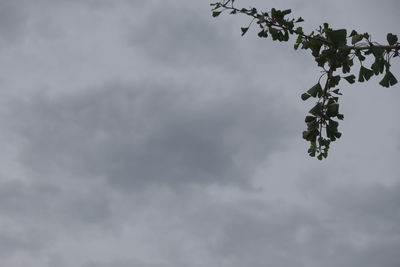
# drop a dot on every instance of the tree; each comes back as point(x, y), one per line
point(331, 52)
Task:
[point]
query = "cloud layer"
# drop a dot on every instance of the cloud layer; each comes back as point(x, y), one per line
point(150, 134)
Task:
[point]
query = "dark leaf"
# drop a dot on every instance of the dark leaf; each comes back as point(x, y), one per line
point(333, 110)
point(334, 81)
point(310, 119)
point(313, 91)
point(263, 34)
point(286, 12)
point(336, 91)
point(313, 149)
point(388, 80)
point(337, 37)
point(353, 32)
point(356, 38)
point(378, 66)
point(350, 78)
point(391, 38)
point(299, 30)
point(311, 135)
point(313, 125)
point(316, 110)
point(338, 134)
point(216, 13)
point(244, 30)
point(333, 125)
point(305, 96)
point(306, 134)
point(359, 55)
point(378, 53)
point(365, 74)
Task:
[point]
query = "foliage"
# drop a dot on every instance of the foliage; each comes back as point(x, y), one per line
point(332, 52)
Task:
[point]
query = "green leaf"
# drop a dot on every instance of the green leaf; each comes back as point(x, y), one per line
point(306, 135)
point(299, 20)
point(261, 18)
point(336, 91)
point(330, 134)
point(313, 125)
point(365, 74)
point(216, 13)
point(356, 38)
point(337, 37)
point(263, 34)
point(333, 110)
point(332, 131)
point(305, 96)
point(315, 47)
point(378, 66)
point(359, 55)
point(313, 91)
point(244, 30)
point(285, 36)
point(377, 52)
point(313, 148)
point(391, 38)
point(333, 125)
point(347, 65)
point(351, 78)
point(332, 100)
point(388, 80)
point(299, 30)
point(215, 5)
point(286, 12)
point(316, 110)
point(311, 135)
point(310, 119)
point(334, 81)
point(353, 32)
point(274, 33)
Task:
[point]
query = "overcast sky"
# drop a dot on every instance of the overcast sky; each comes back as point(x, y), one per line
point(145, 133)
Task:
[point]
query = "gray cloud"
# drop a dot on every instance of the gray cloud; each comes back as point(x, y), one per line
point(120, 263)
point(163, 138)
point(177, 34)
point(142, 134)
point(360, 229)
point(13, 21)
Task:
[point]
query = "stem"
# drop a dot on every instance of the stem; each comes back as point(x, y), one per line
point(270, 23)
point(326, 88)
point(386, 47)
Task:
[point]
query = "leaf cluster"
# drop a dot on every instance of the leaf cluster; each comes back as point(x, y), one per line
point(333, 50)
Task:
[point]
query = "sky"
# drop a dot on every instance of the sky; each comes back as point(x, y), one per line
point(150, 134)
